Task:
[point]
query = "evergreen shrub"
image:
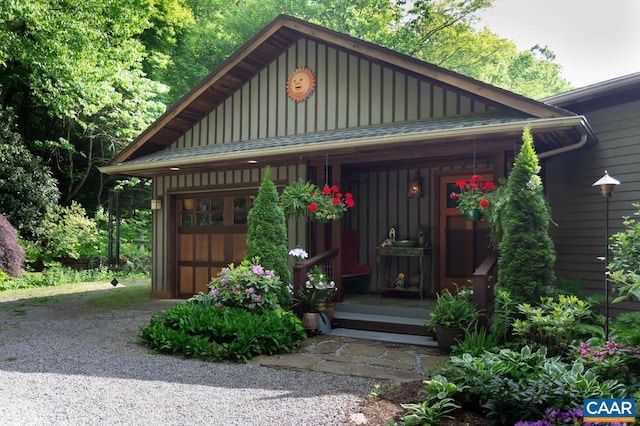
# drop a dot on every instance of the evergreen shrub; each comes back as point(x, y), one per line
point(267, 236)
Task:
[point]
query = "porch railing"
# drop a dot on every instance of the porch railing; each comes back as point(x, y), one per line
point(484, 278)
point(324, 260)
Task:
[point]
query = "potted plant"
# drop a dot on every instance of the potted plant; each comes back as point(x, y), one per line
point(305, 199)
point(472, 196)
point(314, 300)
point(452, 315)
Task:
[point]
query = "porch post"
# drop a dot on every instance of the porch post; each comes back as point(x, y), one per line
point(336, 237)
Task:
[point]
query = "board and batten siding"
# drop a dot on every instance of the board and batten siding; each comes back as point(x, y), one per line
point(350, 92)
point(220, 181)
point(578, 209)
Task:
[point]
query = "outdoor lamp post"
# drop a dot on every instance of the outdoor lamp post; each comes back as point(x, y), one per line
point(606, 184)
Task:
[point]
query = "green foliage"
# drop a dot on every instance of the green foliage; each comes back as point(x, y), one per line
point(556, 323)
point(135, 256)
point(527, 255)
point(624, 269)
point(625, 328)
point(476, 341)
point(267, 236)
point(505, 310)
point(437, 405)
point(495, 211)
point(216, 334)
point(73, 73)
point(68, 233)
point(27, 187)
point(612, 360)
point(56, 275)
point(512, 386)
point(11, 254)
point(248, 286)
point(453, 310)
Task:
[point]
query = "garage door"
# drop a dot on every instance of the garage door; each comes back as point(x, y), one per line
point(212, 232)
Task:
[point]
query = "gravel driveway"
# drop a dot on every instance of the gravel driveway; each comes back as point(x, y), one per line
point(65, 362)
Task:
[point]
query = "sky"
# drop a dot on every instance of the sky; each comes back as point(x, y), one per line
point(594, 40)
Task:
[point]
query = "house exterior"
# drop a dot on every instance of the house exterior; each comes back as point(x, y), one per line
point(612, 109)
point(318, 105)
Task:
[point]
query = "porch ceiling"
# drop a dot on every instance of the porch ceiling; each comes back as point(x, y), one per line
point(430, 139)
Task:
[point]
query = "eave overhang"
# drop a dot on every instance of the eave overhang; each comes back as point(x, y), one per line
point(551, 135)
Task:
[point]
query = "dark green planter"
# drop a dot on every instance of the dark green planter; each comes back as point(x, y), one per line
point(473, 214)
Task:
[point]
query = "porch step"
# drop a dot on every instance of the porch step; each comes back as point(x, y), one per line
point(405, 339)
point(385, 319)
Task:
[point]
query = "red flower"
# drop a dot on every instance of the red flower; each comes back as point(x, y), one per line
point(484, 203)
point(349, 202)
point(348, 196)
point(326, 190)
point(461, 183)
point(453, 195)
point(313, 207)
point(475, 179)
point(336, 201)
point(335, 188)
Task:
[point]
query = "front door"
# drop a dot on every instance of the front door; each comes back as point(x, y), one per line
point(212, 232)
point(462, 244)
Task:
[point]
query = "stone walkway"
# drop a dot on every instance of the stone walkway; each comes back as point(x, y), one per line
point(364, 358)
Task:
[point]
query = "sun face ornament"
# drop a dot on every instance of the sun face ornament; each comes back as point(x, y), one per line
point(300, 84)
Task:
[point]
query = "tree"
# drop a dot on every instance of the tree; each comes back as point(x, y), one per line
point(72, 71)
point(527, 255)
point(27, 187)
point(267, 235)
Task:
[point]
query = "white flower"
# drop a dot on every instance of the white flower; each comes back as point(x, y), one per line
point(298, 253)
point(534, 183)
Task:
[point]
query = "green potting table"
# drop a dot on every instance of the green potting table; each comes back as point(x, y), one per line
point(384, 258)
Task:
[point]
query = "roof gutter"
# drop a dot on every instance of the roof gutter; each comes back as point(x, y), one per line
point(431, 136)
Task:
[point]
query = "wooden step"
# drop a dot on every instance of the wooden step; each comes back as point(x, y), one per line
point(387, 319)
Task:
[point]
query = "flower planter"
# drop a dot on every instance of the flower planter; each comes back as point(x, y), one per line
point(311, 321)
point(473, 214)
point(447, 337)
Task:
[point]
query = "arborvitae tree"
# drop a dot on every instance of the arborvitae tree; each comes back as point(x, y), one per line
point(527, 254)
point(267, 235)
point(11, 254)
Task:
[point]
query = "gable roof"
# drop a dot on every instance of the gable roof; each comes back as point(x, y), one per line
point(274, 39)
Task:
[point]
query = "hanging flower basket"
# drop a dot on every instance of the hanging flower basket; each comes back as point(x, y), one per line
point(472, 196)
point(305, 199)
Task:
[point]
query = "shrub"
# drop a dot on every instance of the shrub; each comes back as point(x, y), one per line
point(11, 254)
point(624, 269)
point(267, 236)
point(68, 233)
point(511, 386)
point(248, 286)
point(216, 334)
point(27, 186)
point(556, 323)
point(527, 255)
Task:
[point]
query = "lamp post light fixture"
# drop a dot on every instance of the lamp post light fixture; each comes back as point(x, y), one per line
point(606, 184)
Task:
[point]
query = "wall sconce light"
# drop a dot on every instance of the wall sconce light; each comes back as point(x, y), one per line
point(156, 204)
point(415, 186)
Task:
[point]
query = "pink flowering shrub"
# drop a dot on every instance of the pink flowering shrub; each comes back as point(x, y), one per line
point(612, 360)
point(248, 286)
